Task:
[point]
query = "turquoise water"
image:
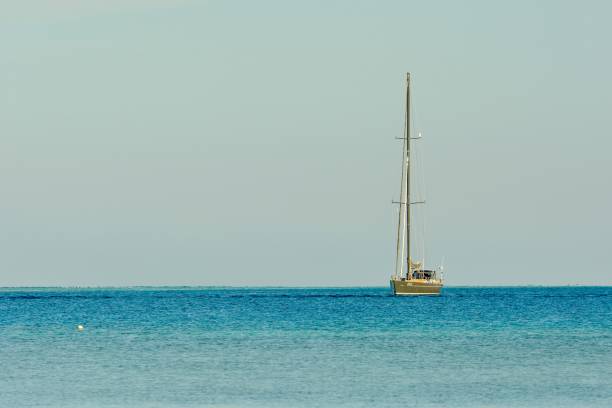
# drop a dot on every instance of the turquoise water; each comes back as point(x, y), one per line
point(191, 347)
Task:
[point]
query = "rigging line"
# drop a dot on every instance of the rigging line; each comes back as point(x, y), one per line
point(422, 187)
point(424, 209)
point(394, 211)
point(423, 191)
point(418, 183)
point(421, 210)
point(408, 213)
point(405, 186)
point(415, 155)
point(401, 222)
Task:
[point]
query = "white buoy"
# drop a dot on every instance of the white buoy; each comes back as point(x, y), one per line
point(80, 327)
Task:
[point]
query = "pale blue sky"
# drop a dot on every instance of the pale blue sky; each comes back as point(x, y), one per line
point(252, 143)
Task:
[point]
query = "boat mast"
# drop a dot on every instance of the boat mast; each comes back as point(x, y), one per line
point(403, 224)
point(407, 152)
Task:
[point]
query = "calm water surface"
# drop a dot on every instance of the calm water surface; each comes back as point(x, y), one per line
point(192, 347)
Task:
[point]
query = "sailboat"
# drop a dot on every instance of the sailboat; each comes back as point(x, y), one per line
point(410, 276)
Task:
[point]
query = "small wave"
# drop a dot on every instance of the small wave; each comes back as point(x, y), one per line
point(308, 296)
point(36, 297)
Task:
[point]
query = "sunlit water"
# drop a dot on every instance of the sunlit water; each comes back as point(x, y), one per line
point(470, 347)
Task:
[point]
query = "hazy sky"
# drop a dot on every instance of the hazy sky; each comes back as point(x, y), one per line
point(252, 143)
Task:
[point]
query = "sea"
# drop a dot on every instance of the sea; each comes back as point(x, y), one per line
point(305, 347)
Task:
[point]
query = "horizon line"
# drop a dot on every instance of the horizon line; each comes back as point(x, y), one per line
point(288, 286)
